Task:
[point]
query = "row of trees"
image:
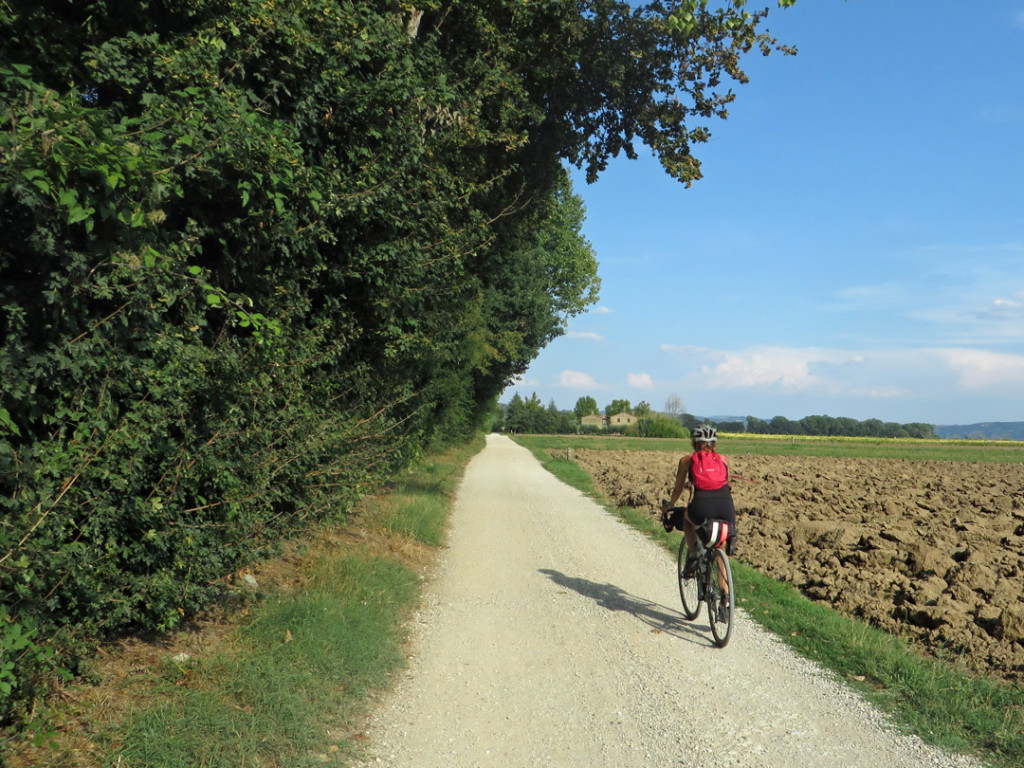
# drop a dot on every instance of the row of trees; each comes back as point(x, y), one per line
point(587, 405)
point(256, 256)
point(531, 416)
point(832, 426)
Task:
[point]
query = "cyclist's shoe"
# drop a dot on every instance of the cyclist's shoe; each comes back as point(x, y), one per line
point(690, 566)
point(666, 520)
point(723, 610)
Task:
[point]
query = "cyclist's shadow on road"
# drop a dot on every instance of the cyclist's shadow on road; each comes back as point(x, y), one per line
point(615, 598)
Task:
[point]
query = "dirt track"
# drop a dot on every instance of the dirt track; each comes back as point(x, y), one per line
point(930, 550)
point(551, 635)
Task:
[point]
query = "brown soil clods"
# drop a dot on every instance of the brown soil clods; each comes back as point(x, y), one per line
point(933, 551)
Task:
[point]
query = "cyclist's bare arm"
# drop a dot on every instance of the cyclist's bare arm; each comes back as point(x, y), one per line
point(682, 481)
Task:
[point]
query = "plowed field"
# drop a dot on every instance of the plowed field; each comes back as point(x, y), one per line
point(933, 551)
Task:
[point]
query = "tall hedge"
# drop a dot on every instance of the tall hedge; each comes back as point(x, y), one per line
point(256, 254)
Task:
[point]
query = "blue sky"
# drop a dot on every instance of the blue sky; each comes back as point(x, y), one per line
point(855, 248)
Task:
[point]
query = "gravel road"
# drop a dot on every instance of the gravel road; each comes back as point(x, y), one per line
point(551, 635)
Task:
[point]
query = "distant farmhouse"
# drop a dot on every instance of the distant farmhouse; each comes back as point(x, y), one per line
point(596, 420)
point(622, 420)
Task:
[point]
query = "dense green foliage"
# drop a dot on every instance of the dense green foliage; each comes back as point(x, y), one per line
point(258, 253)
point(657, 425)
point(531, 416)
point(585, 406)
point(832, 427)
point(617, 406)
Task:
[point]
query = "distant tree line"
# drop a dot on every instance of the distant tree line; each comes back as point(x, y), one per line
point(830, 426)
point(530, 415)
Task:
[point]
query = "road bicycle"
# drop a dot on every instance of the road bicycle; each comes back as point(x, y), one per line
point(711, 581)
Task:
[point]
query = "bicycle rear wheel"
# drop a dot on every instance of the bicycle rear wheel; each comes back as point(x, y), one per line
point(721, 605)
point(687, 586)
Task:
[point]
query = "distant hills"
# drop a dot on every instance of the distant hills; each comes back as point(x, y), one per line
point(986, 430)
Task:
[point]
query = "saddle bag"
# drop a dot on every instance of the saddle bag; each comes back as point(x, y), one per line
point(714, 533)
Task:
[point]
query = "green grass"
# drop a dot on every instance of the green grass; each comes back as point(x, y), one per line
point(840, 447)
point(419, 500)
point(290, 689)
point(924, 695)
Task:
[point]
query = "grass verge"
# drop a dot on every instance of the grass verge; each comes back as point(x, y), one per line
point(290, 690)
point(923, 695)
point(289, 680)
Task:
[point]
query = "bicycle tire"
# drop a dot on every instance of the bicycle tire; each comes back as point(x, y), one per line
point(688, 589)
point(721, 621)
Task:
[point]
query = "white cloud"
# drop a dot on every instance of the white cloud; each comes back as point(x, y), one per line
point(981, 369)
point(808, 371)
point(786, 368)
point(601, 310)
point(868, 374)
point(640, 380)
point(576, 380)
point(585, 335)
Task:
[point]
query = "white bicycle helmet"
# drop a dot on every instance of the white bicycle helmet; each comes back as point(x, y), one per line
point(704, 433)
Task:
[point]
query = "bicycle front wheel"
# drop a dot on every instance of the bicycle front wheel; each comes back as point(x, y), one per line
point(722, 599)
point(687, 586)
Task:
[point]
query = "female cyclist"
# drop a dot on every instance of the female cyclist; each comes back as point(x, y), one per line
point(706, 473)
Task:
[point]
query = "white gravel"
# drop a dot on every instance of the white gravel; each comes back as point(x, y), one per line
point(551, 635)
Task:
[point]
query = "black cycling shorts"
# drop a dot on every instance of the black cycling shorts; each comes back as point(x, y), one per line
point(714, 505)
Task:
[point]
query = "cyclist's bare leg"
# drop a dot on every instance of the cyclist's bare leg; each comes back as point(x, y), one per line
point(723, 582)
point(690, 532)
